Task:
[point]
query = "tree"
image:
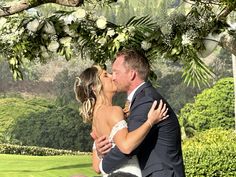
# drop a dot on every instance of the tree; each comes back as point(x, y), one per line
point(184, 38)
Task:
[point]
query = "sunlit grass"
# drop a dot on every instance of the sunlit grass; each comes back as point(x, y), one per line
point(45, 166)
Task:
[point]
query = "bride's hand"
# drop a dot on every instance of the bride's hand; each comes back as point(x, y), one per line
point(158, 114)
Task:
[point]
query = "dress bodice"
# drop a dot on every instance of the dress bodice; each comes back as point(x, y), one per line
point(132, 165)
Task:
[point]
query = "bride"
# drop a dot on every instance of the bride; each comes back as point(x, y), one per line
point(95, 89)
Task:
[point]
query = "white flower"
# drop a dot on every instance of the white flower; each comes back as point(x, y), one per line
point(68, 19)
point(79, 14)
point(146, 45)
point(45, 55)
point(186, 40)
point(121, 37)
point(53, 46)
point(101, 22)
point(69, 31)
point(2, 21)
point(49, 28)
point(42, 48)
point(232, 26)
point(33, 25)
point(110, 32)
point(102, 41)
point(65, 41)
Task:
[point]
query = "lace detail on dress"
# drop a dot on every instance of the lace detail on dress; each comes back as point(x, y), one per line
point(118, 126)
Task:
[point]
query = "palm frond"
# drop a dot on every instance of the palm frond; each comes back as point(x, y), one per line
point(142, 21)
point(196, 72)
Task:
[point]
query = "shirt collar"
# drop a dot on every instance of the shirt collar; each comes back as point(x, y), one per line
point(131, 95)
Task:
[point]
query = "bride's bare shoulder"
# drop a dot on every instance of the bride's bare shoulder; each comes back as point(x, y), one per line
point(116, 115)
point(117, 110)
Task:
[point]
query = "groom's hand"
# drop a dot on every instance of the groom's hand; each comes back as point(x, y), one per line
point(103, 145)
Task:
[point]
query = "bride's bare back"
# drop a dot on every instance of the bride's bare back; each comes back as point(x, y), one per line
point(105, 117)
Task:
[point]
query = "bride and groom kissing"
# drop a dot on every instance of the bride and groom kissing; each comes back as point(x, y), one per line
point(145, 143)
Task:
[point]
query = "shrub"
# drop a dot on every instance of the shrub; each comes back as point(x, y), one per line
point(210, 153)
point(214, 107)
point(36, 151)
point(58, 127)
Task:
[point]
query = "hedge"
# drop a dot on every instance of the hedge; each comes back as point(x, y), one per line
point(36, 151)
point(211, 153)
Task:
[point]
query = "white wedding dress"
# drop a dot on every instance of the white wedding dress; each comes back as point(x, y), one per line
point(132, 165)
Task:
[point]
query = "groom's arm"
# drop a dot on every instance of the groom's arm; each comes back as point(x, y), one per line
point(114, 158)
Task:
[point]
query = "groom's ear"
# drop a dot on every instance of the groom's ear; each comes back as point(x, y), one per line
point(133, 74)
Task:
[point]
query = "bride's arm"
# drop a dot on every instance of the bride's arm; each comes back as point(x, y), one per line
point(128, 141)
point(96, 161)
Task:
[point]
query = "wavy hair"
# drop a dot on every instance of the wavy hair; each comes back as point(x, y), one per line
point(86, 87)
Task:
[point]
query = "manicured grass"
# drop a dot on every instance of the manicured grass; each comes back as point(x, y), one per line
point(45, 166)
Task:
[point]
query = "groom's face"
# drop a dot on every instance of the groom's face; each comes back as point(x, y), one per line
point(120, 74)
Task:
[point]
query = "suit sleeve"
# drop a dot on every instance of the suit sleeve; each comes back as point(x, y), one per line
point(138, 116)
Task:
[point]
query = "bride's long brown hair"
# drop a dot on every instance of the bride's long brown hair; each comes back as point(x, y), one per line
point(87, 87)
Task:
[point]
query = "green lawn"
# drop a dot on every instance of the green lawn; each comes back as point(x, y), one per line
point(45, 166)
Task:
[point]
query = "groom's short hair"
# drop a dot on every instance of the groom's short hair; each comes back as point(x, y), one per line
point(136, 60)
point(121, 174)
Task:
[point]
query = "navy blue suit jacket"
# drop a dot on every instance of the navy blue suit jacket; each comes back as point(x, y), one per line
point(160, 152)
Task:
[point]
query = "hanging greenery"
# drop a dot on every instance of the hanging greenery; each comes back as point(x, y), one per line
point(37, 38)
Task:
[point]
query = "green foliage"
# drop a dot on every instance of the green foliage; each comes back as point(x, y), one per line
point(64, 84)
point(58, 127)
point(214, 107)
point(41, 123)
point(36, 151)
point(35, 37)
point(210, 153)
point(13, 108)
point(175, 91)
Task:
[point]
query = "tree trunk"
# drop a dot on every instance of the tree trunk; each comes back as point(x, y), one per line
point(19, 6)
point(234, 75)
point(228, 42)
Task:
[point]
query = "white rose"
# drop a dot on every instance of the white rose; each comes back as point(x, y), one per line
point(53, 46)
point(79, 14)
point(186, 40)
point(33, 25)
point(146, 45)
point(65, 41)
point(110, 32)
point(101, 22)
point(49, 28)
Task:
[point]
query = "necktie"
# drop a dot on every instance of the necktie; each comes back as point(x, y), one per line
point(126, 108)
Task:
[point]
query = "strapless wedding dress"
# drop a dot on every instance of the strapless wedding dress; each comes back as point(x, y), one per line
point(132, 165)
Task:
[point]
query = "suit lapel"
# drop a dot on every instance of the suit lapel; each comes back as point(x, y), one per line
point(145, 85)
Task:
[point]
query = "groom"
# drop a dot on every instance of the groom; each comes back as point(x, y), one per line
point(160, 153)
